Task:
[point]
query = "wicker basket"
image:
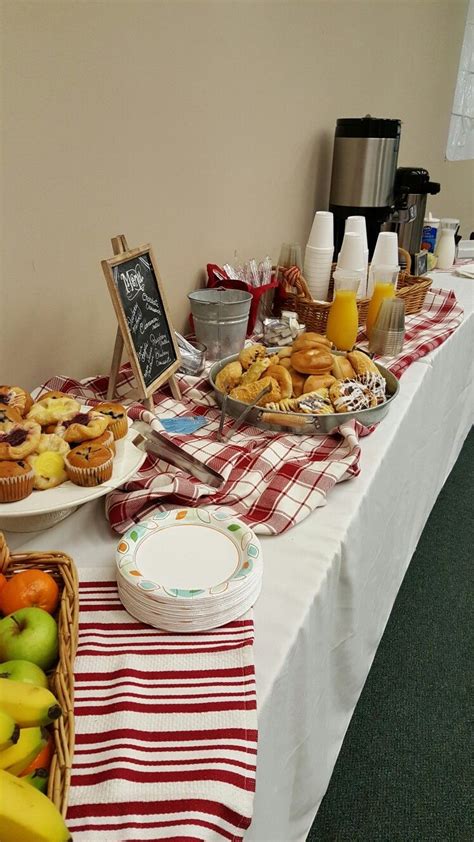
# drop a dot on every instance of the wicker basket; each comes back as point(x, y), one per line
point(314, 314)
point(61, 679)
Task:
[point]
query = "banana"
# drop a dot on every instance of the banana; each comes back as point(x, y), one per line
point(9, 730)
point(38, 779)
point(27, 704)
point(28, 815)
point(17, 757)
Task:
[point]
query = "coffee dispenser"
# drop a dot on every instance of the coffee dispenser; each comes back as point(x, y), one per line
point(412, 187)
point(363, 173)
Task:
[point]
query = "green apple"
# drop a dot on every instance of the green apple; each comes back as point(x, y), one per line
point(29, 634)
point(23, 671)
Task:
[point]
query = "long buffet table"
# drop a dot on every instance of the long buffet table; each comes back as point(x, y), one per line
point(330, 583)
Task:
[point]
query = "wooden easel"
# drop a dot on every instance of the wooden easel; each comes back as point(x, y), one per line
point(120, 246)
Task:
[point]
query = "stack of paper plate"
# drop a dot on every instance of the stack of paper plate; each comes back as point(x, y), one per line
point(189, 569)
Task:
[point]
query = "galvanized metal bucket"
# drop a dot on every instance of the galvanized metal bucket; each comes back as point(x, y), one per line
point(220, 320)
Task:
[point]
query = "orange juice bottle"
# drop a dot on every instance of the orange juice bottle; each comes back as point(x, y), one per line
point(342, 324)
point(385, 280)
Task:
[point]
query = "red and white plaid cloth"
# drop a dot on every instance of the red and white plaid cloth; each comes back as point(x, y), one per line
point(166, 727)
point(272, 481)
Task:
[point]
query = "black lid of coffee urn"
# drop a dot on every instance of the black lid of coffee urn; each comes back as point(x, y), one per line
point(415, 180)
point(367, 127)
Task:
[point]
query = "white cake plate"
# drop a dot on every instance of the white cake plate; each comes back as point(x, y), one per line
point(43, 509)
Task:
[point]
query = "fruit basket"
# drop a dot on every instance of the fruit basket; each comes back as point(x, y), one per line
point(61, 679)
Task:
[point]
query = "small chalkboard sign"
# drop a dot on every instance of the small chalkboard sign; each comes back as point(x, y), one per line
point(144, 323)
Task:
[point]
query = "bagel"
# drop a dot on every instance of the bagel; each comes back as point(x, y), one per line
point(312, 361)
point(283, 378)
point(310, 340)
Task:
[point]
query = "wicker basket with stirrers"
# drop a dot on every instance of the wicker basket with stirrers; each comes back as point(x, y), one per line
point(61, 679)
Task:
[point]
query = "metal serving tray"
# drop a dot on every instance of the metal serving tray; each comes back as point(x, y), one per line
point(298, 423)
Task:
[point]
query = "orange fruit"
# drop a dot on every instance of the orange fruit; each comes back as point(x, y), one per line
point(30, 588)
point(3, 581)
point(42, 759)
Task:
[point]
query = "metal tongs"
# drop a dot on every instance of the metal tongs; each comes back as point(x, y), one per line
point(240, 418)
point(157, 444)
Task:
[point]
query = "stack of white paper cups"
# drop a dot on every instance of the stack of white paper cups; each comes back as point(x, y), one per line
point(358, 225)
point(385, 254)
point(319, 254)
point(351, 257)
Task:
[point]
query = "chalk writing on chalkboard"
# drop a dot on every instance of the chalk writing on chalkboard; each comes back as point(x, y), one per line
point(145, 327)
point(139, 293)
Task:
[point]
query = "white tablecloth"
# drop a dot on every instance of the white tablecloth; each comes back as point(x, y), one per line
point(330, 583)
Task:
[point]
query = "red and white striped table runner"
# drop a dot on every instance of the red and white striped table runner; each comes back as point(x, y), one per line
point(166, 727)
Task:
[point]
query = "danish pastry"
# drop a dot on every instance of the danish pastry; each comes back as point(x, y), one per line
point(52, 396)
point(248, 393)
point(229, 376)
point(20, 440)
point(312, 361)
point(15, 396)
point(250, 354)
point(48, 469)
point(9, 415)
point(83, 426)
point(351, 396)
point(53, 410)
point(376, 383)
point(316, 403)
point(52, 443)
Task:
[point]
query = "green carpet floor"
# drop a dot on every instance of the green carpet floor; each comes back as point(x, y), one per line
point(405, 771)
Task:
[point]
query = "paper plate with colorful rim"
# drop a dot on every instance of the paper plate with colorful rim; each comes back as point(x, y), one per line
point(188, 554)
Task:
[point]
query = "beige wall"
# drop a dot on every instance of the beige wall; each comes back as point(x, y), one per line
point(198, 126)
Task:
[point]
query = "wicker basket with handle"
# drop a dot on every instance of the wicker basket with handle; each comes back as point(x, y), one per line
point(295, 295)
point(61, 680)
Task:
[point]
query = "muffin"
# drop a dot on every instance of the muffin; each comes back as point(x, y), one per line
point(16, 481)
point(20, 440)
point(116, 416)
point(89, 464)
point(106, 439)
point(48, 469)
point(82, 427)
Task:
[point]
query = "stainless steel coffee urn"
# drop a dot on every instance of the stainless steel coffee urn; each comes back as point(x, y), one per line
point(412, 187)
point(363, 173)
